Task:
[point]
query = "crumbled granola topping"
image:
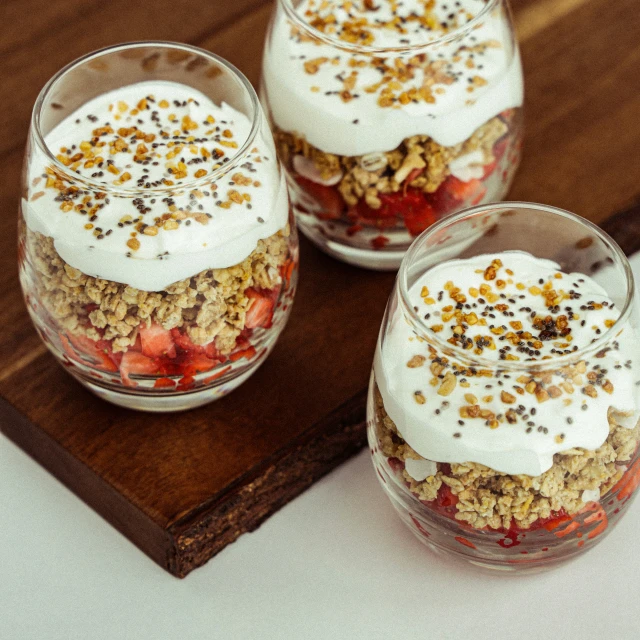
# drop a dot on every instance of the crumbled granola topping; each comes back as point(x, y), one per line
point(211, 305)
point(419, 162)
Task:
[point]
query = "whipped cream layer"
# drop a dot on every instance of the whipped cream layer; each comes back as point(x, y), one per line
point(353, 104)
point(153, 138)
point(507, 308)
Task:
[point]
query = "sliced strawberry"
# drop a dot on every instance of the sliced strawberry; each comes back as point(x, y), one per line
point(489, 169)
point(260, 313)
point(388, 210)
point(95, 353)
point(217, 375)
point(245, 353)
point(411, 207)
point(138, 364)
point(211, 352)
point(463, 190)
point(287, 269)
point(137, 346)
point(184, 342)
point(453, 194)
point(329, 198)
point(162, 383)
point(418, 214)
point(198, 363)
point(415, 173)
point(186, 383)
point(157, 342)
point(500, 147)
point(379, 242)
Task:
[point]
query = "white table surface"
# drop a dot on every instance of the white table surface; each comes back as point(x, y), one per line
point(335, 563)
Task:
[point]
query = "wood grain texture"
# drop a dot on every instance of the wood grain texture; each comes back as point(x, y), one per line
point(181, 487)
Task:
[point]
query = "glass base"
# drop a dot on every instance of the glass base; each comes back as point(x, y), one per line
point(167, 403)
point(356, 256)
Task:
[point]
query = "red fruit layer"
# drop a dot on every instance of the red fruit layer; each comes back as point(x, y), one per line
point(163, 353)
point(410, 207)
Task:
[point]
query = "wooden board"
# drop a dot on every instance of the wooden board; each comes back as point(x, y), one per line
point(182, 487)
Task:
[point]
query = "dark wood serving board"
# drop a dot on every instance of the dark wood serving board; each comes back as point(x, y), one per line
point(183, 486)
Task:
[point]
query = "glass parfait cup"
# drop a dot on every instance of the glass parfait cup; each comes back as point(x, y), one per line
point(157, 291)
point(382, 131)
point(513, 462)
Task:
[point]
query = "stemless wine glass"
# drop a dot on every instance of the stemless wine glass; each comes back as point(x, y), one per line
point(158, 255)
point(513, 451)
point(389, 115)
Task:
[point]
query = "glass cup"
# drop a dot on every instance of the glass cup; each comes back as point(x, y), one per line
point(384, 129)
point(509, 440)
point(158, 254)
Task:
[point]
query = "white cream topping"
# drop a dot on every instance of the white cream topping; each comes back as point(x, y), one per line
point(590, 495)
point(519, 432)
point(468, 167)
point(468, 81)
point(420, 469)
point(215, 225)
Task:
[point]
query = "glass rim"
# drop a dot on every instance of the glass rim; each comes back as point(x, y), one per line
point(295, 17)
point(553, 362)
point(136, 191)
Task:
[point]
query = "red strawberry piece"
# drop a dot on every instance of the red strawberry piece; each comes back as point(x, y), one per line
point(198, 363)
point(138, 364)
point(417, 213)
point(157, 342)
point(287, 269)
point(396, 464)
point(217, 375)
point(186, 383)
point(412, 207)
point(353, 229)
point(415, 173)
point(162, 383)
point(92, 352)
point(379, 242)
point(453, 194)
point(260, 313)
point(185, 344)
point(137, 346)
point(391, 202)
point(463, 190)
point(500, 147)
point(211, 352)
point(245, 353)
point(489, 169)
point(443, 200)
point(328, 198)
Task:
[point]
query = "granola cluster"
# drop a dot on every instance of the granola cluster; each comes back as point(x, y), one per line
point(419, 162)
point(488, 498)
point(211, 305)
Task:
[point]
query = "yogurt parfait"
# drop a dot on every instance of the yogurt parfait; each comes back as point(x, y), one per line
point(388, 115)
point(157, 255)
point(504, 402)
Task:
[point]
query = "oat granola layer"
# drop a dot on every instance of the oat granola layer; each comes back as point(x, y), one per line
point(372, 174)
point(487, 498)
point(211, 305)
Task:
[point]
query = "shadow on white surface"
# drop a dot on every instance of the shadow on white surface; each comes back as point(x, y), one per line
point(335, 563)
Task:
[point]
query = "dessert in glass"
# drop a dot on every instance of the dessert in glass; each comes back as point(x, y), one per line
point(504, 399)
point(388, 115)
point(157, 255)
